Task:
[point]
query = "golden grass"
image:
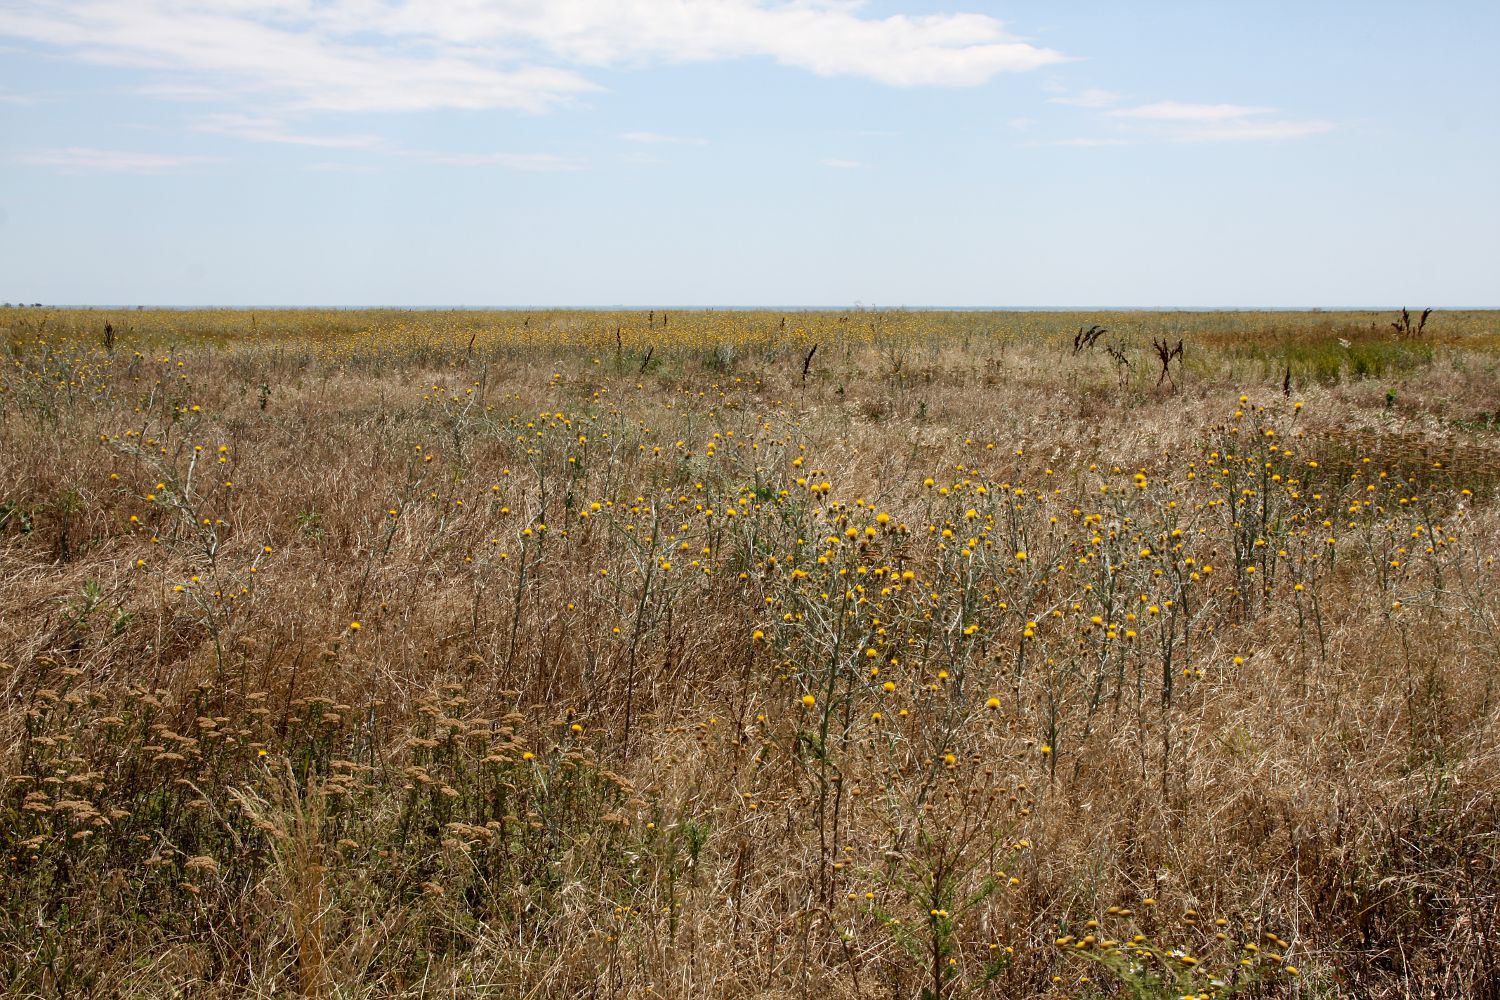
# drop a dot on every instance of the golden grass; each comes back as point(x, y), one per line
point(623, 654)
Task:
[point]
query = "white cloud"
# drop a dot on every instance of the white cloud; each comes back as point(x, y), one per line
point(643, 160)
point(1178, 121)
point(1093, 97)
point(7, 97)
point(844, 164)
point(536, 162)
point(828, 37)
point(408, 55)
point(1241, 130)
point(264, 129)
point(1176, 111)
point(341, 168)
point(656, 138)
point(1022, 124)
point(1085, 142)
point(261, 129)
point(82, 159)
point(286, 49)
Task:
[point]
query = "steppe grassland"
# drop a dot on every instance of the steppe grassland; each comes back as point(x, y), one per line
point(741, 653)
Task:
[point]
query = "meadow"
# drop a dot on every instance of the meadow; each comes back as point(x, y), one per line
point(749, 654)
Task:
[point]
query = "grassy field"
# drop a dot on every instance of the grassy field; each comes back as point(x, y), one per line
point(685, 654)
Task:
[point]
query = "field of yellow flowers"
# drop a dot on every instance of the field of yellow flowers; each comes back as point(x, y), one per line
point(749, 654)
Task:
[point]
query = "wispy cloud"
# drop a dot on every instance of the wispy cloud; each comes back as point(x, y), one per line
point(1084, 142)
point(307, 56)
point(342, 168)
point(82, 159)
point(410, 55)
point(1176, 111)
point(273, 130)
point(1240, 130)
point(656, 138)
point(1093, 97)
point(1180, 121)
point(643, 160)
point(6, 97)
point(844, 164)
point(536, 162)
point(256, 128)
point(828, 37)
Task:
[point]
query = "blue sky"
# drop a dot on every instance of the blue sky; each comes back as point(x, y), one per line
point(743, 152)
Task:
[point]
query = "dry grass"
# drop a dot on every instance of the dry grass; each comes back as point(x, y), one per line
point(385, 654)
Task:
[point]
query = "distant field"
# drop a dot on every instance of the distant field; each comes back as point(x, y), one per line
point(730, 654)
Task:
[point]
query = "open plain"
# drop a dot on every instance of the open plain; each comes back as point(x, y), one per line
point(688, 654)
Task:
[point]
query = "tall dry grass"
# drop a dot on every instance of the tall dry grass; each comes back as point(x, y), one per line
point(499, 654)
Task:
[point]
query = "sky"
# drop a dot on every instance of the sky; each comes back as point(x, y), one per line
point(649, 153)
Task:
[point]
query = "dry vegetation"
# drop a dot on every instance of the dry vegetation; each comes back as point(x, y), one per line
point(552, 654)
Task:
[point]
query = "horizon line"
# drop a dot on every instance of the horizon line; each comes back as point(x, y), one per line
point(625, 307)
